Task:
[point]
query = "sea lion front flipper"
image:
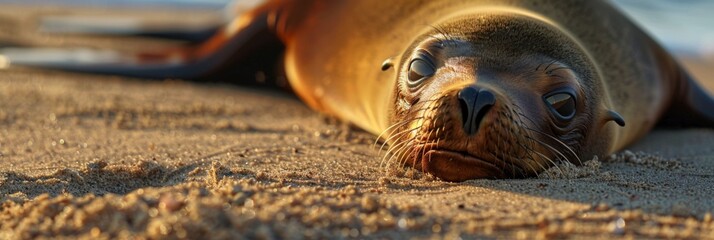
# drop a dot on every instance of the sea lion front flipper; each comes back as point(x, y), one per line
point(692, 105)
point(240, 38)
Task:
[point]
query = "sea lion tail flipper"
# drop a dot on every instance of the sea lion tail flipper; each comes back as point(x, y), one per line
point(242, 37)
point(692, 105)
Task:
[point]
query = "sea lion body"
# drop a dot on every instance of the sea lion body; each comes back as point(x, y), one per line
point(488, 67)
point(334, 65)
point(333, 54)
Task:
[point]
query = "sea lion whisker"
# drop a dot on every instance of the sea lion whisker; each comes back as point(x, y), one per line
point(422, 168)
point(428, 139)
point(549, 147)
point(399, 124)
point(570, 149)
point(499, 149)
point(423, 147)
point(510, 160)
point(528, 137)
point(530, 151)
point(543, 156)
point(507, 154)
point(538, 153)
point(391, 148)
point(402, 151)
point(549, 136)
point(391, 137)
point(561, 143)
point(401, 157)
point(436, 145)
point(525, 163)
point(399, 149)
point(500, 159)
point(391, 153)
point(531, 139)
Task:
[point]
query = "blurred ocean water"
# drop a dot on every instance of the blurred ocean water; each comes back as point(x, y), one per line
point(683, 26)
point(216, 4)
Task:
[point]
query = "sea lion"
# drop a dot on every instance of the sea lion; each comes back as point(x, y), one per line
point(461, 89)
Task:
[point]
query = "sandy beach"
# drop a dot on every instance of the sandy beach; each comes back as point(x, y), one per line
point(94, 156)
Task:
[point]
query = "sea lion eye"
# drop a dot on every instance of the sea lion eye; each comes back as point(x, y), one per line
point(420, 68)
point(562, 104)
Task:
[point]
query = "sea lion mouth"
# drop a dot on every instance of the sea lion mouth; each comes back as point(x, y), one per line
point(457, 166)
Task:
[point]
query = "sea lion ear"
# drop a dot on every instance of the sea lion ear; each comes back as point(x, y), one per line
point(387, 64)
point(611, 115)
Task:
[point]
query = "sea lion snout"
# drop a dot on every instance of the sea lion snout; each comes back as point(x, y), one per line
point(462, 134)
point(475, 102)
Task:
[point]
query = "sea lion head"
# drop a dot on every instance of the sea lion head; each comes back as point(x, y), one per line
point(496, 95)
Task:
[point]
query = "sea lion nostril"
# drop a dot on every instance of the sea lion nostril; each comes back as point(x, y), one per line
point(465, 110)
point(475, 103)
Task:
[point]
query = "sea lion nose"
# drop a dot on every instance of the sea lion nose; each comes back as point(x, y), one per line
point(475, 103)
